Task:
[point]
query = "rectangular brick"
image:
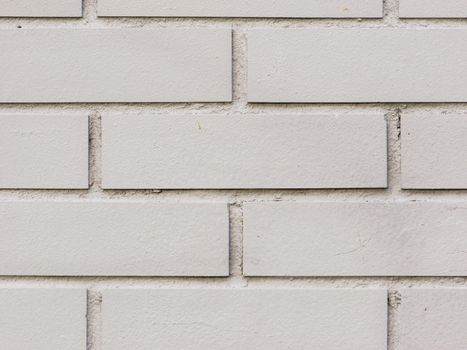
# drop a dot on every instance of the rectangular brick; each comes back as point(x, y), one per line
point(43, 151)
point(42, 319)
point(241, 8)
point(357, 65)
point(115, 65)
point(355, 239)
point(114, 239)
point(249, 319)
point(433, 319)
point(432, 8)
point(40, 8)
point(434, 152)
point(244, 151)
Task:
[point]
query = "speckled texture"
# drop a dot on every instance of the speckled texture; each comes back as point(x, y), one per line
point(249, 319)
point(237, 198)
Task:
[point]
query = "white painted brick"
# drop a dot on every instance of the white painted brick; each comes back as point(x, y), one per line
point(115, 65)
point(432, 8)
point(42, 319)
point(244, 151)
point(434, 152)
point(357, 65)
point(355, 239)
point(40, 8)
point(433, 319)
point(114, 239)
point(245, 319)
point(242, 8)
point(43, 151)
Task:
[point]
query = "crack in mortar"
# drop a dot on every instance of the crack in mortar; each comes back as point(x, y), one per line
point(236, 239)
point(94, 320)
point(95, 149)
point(391, 12)
point(89, 10)
point(393, 118)
point(394, 301)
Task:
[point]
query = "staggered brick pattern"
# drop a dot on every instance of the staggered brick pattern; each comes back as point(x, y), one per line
point(220, 174)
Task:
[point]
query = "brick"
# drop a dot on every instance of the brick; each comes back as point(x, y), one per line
point(44, 151)
point(43, 319)
point(248, 319)
point(115, 65)
point(114, 239)
point(354, 239)
point(241, 8)
point(244, 151)
point(357, 65)
point(434, 152)
point(433, 319)
point(432, 9)
point(40, 8)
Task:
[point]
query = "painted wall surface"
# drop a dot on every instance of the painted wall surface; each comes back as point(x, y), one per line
point(221, 174)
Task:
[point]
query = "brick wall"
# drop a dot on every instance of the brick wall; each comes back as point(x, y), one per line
point(219, 174)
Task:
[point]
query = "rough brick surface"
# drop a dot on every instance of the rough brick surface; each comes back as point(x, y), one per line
point(242, 8)
point(244, 319)
point(355, 239)
point(244, 151)
point(116, 65)
point(352, 65)
point(434, 151)
point(433, 319)
point(43, 151)
point(40, 8)
point(114, 239)
point(43, 318)
point(432, 8)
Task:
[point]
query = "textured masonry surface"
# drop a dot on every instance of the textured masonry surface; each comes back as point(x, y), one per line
point(43, 318)
point(444, 313)
point(352, 65)
point(43, 151)
point(433, 9)
point(244, 319)
point(354, 239)
point(116, 65)
point(243, 151)
point(40, 8)
point(114, 239)
point(223, 174)
point(241, 8)
point(433, 148)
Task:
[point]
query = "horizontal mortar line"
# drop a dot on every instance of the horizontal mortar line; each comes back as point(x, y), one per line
point(207, 20)
point(227, 107)
point(96, 283)
point(387, 197)
point(277, 23)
